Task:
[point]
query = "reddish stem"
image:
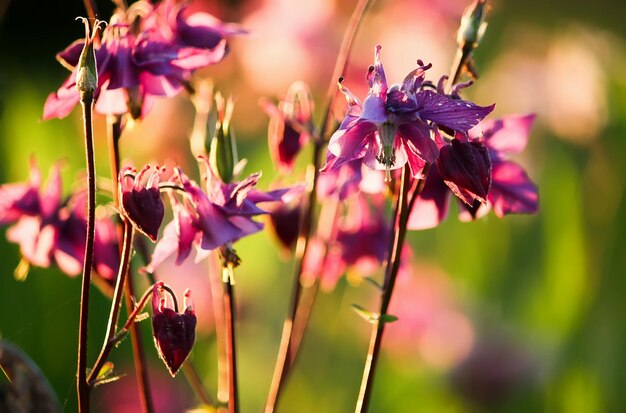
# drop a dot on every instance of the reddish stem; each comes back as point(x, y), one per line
point(82, 385)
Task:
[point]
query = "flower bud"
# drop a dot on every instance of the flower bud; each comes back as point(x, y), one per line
point(141, 203)
point(290, 125)
point(87, 70)
point(173, 333)
point(466, 168)
point(223, 152)
point(473, 24)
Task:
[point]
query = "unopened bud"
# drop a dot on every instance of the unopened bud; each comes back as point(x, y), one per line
point(473, 24)
point(87, 70)
point(223, 153)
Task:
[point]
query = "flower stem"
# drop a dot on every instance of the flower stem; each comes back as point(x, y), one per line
point(141, 366)
point(231, 348)
point(191, 374)
point(218, 314)
point(114, 132)
point(287, 351)
point(82, 385)
point(401, 217)
point(108, 343)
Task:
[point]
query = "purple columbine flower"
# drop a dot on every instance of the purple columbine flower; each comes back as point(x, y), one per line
point(207, 219)
point(394, 124)
point(141, 202)
point(510, 192)
point(173, 332)
point(138, 60)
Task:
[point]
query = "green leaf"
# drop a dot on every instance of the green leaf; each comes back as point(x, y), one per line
point(368, 316)
point(388, 318)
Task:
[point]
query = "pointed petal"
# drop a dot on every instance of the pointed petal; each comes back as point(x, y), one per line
point(505, 135)
point(460, 115)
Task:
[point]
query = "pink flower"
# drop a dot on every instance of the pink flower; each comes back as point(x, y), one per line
point(144, 54)
point(51, 230)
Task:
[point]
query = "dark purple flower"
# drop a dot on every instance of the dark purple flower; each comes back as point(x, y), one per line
point(511, 191)
point(289, 125)
point(173, 333)
point(394, 125)
point(466, 168)
point(141, 201)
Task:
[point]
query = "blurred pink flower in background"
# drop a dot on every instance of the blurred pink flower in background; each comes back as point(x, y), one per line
point(431, 324)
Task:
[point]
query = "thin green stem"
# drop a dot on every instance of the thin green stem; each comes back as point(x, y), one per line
point(287, 351)
point(82, 385)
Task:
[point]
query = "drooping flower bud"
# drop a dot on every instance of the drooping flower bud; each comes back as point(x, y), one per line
point(223, 154)
point(473, 24)
point(466, 168)
point(141, 203)
point(173, 332)
point(87, 71)
point(290, 125)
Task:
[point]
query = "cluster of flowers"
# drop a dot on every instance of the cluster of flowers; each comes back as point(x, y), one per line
point(415, 123)
point(147, 51)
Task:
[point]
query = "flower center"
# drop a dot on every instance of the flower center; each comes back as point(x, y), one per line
point(387, 156)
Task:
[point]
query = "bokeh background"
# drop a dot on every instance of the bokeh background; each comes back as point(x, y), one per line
point(515, 315)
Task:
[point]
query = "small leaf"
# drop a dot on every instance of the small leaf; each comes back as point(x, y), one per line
point(98, 382)
point(105, 371)
point(141, 317)
point(368, 316)
point(388, 318)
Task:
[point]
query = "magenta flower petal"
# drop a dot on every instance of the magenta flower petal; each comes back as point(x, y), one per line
point(419, 141)
point(351, 144)
point(431, 207)
point(506, 135)
point(512, 192)
point(466, 168)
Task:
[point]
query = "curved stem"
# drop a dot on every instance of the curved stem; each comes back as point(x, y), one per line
point(287, 351)
point(82, 385)
point(108, 343)
point(114, 124)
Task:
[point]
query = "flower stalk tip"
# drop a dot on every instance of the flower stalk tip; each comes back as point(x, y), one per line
point(87, 71)
point(473, 24)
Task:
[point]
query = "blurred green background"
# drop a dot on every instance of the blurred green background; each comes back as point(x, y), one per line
point(537, 302)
